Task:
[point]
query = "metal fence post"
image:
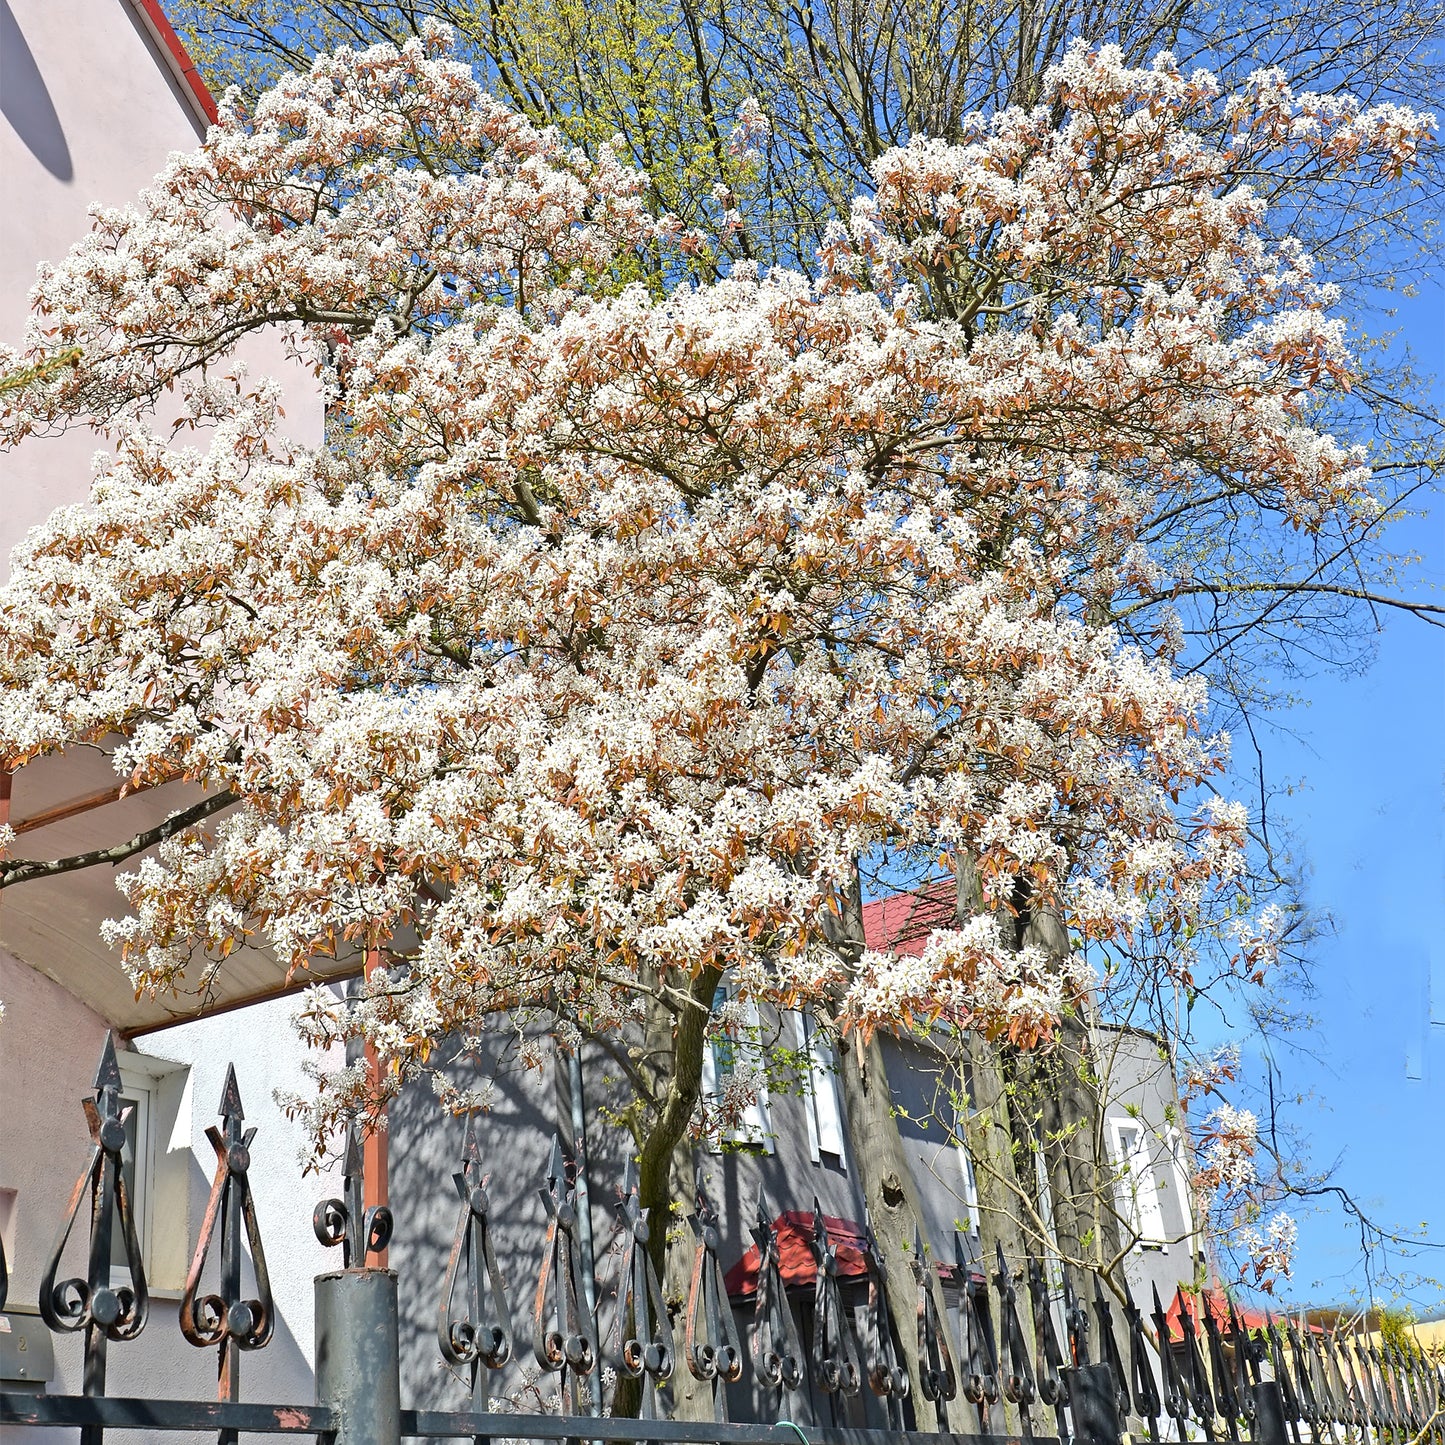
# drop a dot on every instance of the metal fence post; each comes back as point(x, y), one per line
point(1095, 1405)
point(358, 1368)
point(1269, 1413)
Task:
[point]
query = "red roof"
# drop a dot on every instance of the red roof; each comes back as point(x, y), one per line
point(794, 1231)
point(902, 923)
point(177, 58)
point(1218, 1303)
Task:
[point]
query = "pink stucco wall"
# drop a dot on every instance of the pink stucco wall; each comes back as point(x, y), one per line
point(90, 113)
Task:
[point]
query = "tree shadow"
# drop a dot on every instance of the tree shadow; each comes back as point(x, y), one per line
point(25, 101)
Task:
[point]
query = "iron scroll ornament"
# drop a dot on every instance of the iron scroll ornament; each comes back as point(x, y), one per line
point(937, 1379)
point(640, 1341)
point(1018, 1379)
point(1227, 1404)
point(1147, 1404)
point(885, 1373)
point(719, 1356)
point(1049, 1356)
point(834, 1368)
point(227, 1317)
point(480, 1333)
point(572, 1345)
point(777, 1355)
point(346, 1221)
point(1109, 1347)
point(92, 1303)
point(980, 1381)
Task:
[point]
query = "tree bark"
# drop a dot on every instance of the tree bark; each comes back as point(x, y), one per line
point(674, 1040)
point(1059, 1092)
point(889, 1192)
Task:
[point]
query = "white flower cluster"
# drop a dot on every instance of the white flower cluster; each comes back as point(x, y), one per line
point(1207, 1075)
point(1271, 1251)
point(609, 629)
point(1231, 1140)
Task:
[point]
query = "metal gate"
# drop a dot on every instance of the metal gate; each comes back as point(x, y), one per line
point(1023, 1364)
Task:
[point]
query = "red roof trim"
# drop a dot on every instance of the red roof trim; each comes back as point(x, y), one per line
point(177, 59)
point(1217, 1303)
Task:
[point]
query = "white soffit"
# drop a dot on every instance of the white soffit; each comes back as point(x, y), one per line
point(53, 924)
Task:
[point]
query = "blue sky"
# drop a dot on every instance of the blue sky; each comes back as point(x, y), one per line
point(1369, 755)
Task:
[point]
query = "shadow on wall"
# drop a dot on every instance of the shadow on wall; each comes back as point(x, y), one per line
point(25, 101)
point(425, 1151)
point(515, 1137)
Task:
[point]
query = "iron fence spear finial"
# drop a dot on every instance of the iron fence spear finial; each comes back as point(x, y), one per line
point(228, 1320)
point(886, 1376)
point(346, 1221)
point(640, 1341)
point(1141, 1375)
point(1018, 1380)
point(1176, 1396)
point(937, 1378)
point(981, 1379)
point(717, 1359)
point(93, 1304)
point(570, 1347)
point(777, 1356)
point(1109, 1346)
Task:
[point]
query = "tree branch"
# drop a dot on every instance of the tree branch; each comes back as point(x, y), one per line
point(24, 870)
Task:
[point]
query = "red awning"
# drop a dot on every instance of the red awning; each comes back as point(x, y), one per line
point(794, 1231)
point(1217, 1303)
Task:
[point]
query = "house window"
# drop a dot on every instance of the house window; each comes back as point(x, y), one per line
point(137, 1168)
point(156, 1162)
point(737, 1049)
point(824, 1106)
point(1137, 1186)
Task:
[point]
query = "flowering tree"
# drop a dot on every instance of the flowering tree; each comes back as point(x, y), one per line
point(614, 624)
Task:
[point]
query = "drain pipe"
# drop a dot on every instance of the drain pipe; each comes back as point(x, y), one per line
point(584, 1197)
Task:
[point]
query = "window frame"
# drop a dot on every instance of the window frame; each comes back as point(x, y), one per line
point(754, 1129)
point(823, 1107)
point(1137, 1173)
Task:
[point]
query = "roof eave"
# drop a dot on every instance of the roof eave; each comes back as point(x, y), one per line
point(178, 61)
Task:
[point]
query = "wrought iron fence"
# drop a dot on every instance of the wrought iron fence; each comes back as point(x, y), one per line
point(1010, 1371)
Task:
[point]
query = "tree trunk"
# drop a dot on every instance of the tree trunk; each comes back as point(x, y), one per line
point(1059, 1092)
point(889, 1192)
point(989, 1136)
point(989, 1126)
point(674, 1041)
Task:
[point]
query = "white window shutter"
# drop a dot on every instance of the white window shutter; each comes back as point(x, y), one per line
point(827, 1106)
point(1138, 1188)
point(710, 1093)
point(824, 1108)
point(970, 1188)
point(755, 1127)
point(810, 1114)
